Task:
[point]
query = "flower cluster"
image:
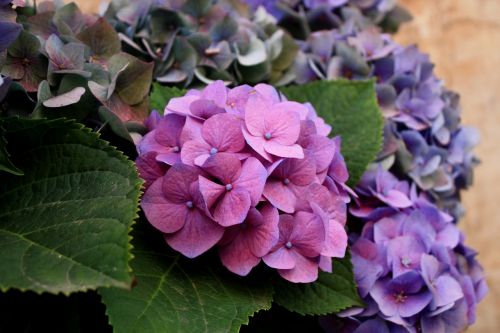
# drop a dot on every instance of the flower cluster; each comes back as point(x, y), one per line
point(74, 64)
point(251, 172)
point(193, 42)
point(410, 263)
point(330, 14)
point(423, 136)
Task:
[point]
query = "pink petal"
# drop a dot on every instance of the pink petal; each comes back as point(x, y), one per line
point(149, 143)
point(169, 158)
point(252, 178)
point(191, 131)
point(261, 238)
point(216, 92)
point(223, 131)
point(268, 92)
point(280, 195)
point(284, 126)
point(308, 234)
point(177, 182)
point(181, 105)
point(149, 169)
point(210, 191)
point(204, 109)
point(232, 208)
point(294, 107)
point(164, 215)
point(223, 166)
point(302, 171)
point(238, 258)
point(325, 264)
point(305, 270)
point(335, 240)
point(282, 258)
point(169, 129)
point(237, 99)
point(193, 149)
point(322, 150)
point(257, 144)
point(199, 234)
point(255, 114)
point(274, 148)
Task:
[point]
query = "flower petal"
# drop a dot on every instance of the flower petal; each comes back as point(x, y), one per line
point(199, 234)
point(305, 270)
point(164, 215)
point(232, 208)
point(252, 178)
point(274, 148)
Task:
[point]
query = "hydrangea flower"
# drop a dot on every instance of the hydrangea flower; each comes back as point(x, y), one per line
point(412, 268)
point(194, 42)
point(423, 138)
point(229, 168)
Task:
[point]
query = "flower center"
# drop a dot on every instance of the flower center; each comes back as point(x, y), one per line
point(213, 151)
point(406, 262)
point(400, 297)
point(26, 62)
point(190, 204)
point(288, 245)
point(229, 187)
point(267, 136)
point(176, 149)
point(286, 181)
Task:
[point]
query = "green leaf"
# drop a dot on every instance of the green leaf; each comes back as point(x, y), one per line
point(352, 110)
point(331, 293)
point(5, 162)
point(176, 294)
point(64, 225)
point(161, 95)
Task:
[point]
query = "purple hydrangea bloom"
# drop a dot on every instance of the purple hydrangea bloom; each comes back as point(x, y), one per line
point(423, 136)
point(413, 270)
point(231, 168)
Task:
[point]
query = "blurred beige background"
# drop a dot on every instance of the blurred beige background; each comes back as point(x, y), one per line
point(463, 39)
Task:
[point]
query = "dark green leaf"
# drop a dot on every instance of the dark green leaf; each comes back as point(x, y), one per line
point(176, 294)
point(331, 293)
point(352, 110)
point(5, 162)
point(161, 95)
point(64, 225)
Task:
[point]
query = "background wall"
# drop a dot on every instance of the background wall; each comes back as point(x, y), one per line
point(463, 39)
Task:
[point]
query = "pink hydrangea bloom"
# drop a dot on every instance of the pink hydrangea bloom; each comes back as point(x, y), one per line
point(249, 172)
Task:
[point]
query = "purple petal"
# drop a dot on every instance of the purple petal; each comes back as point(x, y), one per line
point(282, 258)
point(224, 166)
point(164, 215)
point(264, 233)
point(252, 178)
point(308, 235)
point(335, 240)
point(199, 234)
point(280, 195)
point(233, 207)
point(305, 270)
point(292, 151)
point(237, 257)
point(210, 191)
point(195, 152)
point(223, 131)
